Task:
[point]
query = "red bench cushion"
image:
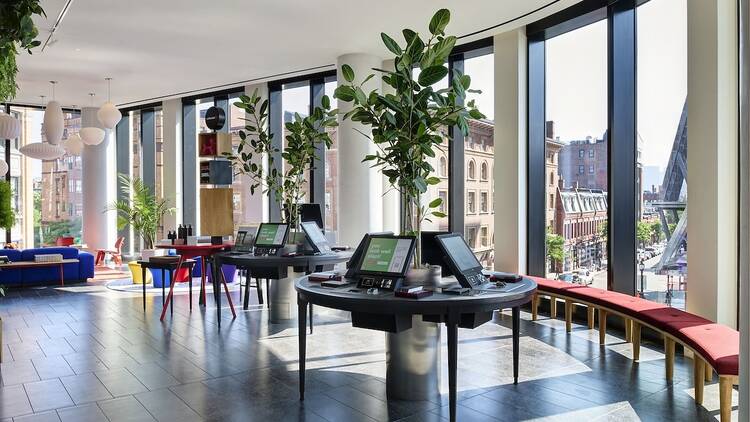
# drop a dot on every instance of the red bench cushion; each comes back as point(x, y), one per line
point(718, 344)
point(553, 286)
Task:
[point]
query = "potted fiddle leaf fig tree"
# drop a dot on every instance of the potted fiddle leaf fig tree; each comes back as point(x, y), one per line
point(304, 136)
point(408, 124)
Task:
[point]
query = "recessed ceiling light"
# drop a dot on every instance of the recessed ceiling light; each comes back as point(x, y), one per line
point(78, 49)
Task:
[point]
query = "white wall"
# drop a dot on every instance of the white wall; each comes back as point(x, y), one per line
point(510, 151)
point(712, 160)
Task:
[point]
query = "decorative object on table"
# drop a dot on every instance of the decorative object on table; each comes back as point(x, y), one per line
point(304, 136)
point(17, 30)
point(7, 215)
point(143, 212)
point(48, 257)
point(74, 145)
point(408, 124)
point(108, 114)
point(92, 135)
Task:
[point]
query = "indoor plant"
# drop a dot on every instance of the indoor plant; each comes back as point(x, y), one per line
point(143, 211)
point(7, 215)
point(304, 135)
point(409, 123)
point(17, 29)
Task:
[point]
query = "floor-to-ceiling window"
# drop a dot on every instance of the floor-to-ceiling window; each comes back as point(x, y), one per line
point(332, 167)
point(47, 195)
point(295, 100)
point(662, 150)
point(576, 158)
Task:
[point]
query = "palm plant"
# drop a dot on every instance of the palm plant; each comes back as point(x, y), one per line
point(143, 211)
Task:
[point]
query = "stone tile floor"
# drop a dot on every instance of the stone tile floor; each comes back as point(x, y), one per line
point(86, 353)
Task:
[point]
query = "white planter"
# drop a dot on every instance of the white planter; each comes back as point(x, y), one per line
point(148, 253)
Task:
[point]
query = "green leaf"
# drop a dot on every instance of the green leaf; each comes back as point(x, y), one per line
point(476, 114)
point(347, 72)
point(390, 44)
point(408, 35)
point(420, 184)
point(439, 214)
point(325, 102)
point(439, 21)
point(435, 203)
point(433, 180)
point(344, 93)
point(360, 96)
point(432, 75)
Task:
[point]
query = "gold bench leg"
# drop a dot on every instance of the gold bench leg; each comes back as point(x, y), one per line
point(534, 306)
point(699, 373)
point(568, 316)
point(636, 334)
point(602, 326)
point(590, 310)
point(628, 331)
point(709, 373)
point(725, 396)
point(669, 355)
point(553, 307)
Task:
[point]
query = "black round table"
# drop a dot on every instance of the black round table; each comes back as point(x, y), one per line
point(276, 268)
point(386, 312)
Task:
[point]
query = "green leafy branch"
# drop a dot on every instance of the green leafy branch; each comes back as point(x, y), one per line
point(17, 29)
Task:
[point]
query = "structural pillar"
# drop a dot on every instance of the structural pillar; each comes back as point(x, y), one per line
point(712, 175)
point(510, 151)
point(360, 187)
point(99, 185)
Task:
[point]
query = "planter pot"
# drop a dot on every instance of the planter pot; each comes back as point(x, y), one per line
point(135, 271)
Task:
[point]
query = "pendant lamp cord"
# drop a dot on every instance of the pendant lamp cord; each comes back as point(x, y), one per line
point(109, 85)
point(53, 89)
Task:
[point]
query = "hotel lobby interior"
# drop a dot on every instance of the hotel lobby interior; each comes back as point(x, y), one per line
point(375, 211)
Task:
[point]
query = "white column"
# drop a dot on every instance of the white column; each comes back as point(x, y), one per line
point(510, 151)
point(99, 184)
point(391, 200)
point(172, 159)
point(712, 160)
point(360, 187)
point(254, 207)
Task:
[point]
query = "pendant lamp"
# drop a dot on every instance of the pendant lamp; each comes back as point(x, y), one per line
point(108, 114)
point(74, 145)
point(44, 150)
point(54, 123)
point(10, 127)
point(91, 135)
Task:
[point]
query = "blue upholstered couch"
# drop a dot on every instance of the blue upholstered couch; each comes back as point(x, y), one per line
point(73, 272)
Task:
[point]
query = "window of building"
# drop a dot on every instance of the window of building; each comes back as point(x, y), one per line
point(471, 237)
point(472, 170)
point(443, 194)
point(581, 153)
point(591, 169)
point(443, 168)
point(484, 236)
point(483, 172)
point(484, 202)
point(581, 169)
point(662, 91)
point(592, 153)
point(471, 202)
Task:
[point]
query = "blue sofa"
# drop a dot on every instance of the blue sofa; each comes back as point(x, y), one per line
point(73, 272)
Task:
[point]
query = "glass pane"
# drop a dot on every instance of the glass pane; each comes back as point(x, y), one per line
point(662, 151)
point(479, 150)
point(159, 158)
point(241, 184)
point(331, 171)
point(295, 98)
point(26, 179)
point(576, 146)
point(135, 164)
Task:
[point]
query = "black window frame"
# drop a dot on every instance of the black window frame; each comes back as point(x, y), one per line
point(621, 103)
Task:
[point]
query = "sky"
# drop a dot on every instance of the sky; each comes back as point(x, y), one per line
point(577, 79)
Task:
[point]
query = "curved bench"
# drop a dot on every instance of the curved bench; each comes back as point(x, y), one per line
point(715, 347)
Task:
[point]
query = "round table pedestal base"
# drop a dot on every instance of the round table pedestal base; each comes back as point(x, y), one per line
point(413, 362)
point(283, 298)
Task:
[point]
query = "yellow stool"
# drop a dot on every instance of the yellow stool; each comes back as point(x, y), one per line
point(135, 270)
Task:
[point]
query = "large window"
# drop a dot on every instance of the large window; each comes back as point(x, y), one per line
point(576, 143)
point(479, 152)
point(662, 150)
point(47, 195)
point(295, 99)
point(332, 169)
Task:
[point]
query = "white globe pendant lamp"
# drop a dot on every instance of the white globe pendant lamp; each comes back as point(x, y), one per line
point(54, 122)
point(45, 150)
point(108, 114)
point(74, 145)
point(92, 135)
point(10, 127)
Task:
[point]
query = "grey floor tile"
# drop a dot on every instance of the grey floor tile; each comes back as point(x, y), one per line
point(39, 417)
point(120, 382)
point(13, 401)
point(48, 394)
point(125, 409)
point(18, 372)
point(165, 406)
point(86, 413)
point(52, 367)
point(152, 375)
point(85, 388)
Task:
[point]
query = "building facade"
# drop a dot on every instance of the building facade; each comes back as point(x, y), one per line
point(581, 219)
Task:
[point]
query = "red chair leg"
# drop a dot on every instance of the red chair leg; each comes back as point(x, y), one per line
point(226, 290)
point(171, 291)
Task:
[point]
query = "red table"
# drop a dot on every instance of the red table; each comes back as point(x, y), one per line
point(205, 252)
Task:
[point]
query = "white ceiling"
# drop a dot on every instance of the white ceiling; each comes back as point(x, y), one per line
point(163, 48)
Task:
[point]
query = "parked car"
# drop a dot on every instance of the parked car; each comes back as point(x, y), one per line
point(584, 275)
point(567, 277)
